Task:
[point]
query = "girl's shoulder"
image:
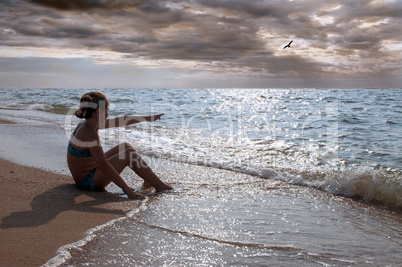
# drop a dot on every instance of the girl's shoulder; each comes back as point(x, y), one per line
point(85, 132)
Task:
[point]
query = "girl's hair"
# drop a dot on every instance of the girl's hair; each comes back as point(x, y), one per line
point(90, 102)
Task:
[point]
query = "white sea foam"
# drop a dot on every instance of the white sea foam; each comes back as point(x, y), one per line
point(364, 182)
point(21, 106)
point(63, 253)
point(42, 107)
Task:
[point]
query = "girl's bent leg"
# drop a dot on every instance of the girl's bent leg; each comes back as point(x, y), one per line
point(140, 167)
point(125, 155)
point(100, 179)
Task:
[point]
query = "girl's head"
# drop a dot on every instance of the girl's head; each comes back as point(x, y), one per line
point(90, 102)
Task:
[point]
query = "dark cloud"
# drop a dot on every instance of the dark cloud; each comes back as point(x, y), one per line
point(69, 4)
point(149, 6)
point(255, 9)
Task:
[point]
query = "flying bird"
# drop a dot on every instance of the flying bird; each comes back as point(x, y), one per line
point(288, 45)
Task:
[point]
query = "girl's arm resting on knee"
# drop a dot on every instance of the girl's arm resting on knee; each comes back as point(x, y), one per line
point(129, 120)
point(105, 167)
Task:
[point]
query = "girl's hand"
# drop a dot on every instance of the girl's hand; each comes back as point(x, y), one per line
point(153, 118)
point(130, 193)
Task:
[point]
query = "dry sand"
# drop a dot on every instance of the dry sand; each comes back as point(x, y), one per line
point(41, 211)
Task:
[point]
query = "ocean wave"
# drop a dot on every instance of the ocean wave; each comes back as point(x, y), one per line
point(365, 183)
point(41, 107)
point(284, 161)
point(19, 106)
point(381, 186)
point(7, 105)
point(362, 183)
point(58, 109)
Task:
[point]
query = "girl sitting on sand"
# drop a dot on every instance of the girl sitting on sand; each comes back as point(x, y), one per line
point(92, 168)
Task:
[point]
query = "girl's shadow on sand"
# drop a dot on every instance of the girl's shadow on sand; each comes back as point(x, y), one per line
point(49, 204)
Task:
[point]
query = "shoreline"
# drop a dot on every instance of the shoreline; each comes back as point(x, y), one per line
point(42, 211)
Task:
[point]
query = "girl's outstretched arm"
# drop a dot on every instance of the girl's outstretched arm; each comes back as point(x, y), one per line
point(129, 120)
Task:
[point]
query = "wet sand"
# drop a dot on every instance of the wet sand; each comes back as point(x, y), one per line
point(42, 211)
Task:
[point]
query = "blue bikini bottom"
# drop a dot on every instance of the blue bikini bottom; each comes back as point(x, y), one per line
point(88, 182)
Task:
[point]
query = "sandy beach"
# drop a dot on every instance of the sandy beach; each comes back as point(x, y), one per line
point(42, 211)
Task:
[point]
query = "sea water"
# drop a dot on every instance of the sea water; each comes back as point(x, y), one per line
point(260, 176)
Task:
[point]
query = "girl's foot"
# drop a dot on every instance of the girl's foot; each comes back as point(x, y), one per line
point(164, 187)
point(160, 188)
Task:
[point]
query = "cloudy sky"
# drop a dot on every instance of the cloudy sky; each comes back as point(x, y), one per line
point(200, 44)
